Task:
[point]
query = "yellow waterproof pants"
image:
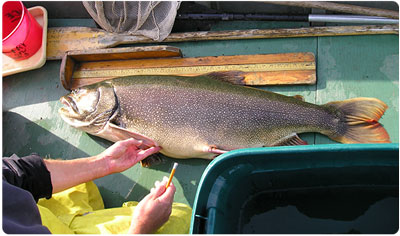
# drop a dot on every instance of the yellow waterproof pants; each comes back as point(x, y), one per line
point(81, 210)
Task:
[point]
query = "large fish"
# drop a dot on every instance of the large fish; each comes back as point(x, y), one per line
point(201, 117)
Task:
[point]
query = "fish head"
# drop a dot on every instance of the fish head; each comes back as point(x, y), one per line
point(89, 108)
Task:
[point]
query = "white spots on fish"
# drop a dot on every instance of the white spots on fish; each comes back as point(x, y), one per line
point(207, 114)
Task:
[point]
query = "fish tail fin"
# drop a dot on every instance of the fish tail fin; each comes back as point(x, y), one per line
point(361, 117)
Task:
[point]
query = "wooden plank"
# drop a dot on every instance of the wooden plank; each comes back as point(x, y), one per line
point(71, 59)
point(66, 71)
point(281, 78)
point(63, 39)
point(126, 53)
point(195, 70)
point(198, 61)
point(260, 69)
point(252, 79)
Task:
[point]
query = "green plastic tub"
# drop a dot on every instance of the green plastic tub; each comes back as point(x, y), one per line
point(332, 188)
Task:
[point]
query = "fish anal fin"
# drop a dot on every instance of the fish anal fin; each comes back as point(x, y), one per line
point(214, 149)
point(115, 133)
point(233, 77)
point(152, 160)
point(290, 140)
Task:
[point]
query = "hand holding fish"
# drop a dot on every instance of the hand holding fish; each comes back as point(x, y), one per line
point(124, 154)
point(118, 157)
point(154, 210)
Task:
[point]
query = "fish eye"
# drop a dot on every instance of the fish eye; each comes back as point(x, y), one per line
point(78, 91)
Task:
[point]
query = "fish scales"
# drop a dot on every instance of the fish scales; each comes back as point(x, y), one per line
point(212, 114)
point(187, 116)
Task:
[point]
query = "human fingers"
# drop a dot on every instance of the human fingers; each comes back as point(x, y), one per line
point(158, 189)
point(142, 154)
point(123, 146)
point(165, 179)
point(131, 142)
point(156, 184)
point(153, 189)
point(168, 195)
point(159, 183)
point(146, 198)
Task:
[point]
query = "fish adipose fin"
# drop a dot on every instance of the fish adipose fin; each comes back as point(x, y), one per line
point(361, 117)
point(233, 77)
point(290, 140)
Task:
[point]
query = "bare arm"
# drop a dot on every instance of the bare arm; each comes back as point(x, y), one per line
point(119, 157)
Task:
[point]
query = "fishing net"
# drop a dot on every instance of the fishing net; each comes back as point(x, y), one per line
point(153, 19)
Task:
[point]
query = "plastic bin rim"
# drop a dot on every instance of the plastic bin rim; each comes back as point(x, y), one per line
point(298, 149)
point(282, 149)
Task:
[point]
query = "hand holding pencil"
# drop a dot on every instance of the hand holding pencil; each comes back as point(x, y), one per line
point(154, 210)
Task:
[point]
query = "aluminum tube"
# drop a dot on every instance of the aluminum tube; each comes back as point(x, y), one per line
point(351, 19)
point(225, 16)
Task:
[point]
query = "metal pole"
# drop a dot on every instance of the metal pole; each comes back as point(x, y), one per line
point(351, 19)
point(311, 18)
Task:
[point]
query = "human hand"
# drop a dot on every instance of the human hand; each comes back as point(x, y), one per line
point(154, 210)
point(124, 154)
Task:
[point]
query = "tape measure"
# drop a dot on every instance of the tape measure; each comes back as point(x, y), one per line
point(189, 70)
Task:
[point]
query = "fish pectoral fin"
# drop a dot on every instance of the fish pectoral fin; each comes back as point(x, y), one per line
point(299, 97)
point(213, 149)
point(116, 133)
point(290, 140)
point(152, 160)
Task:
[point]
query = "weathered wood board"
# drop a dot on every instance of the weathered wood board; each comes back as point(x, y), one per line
point(63, 39)
point(83, 68)
point(71, 60)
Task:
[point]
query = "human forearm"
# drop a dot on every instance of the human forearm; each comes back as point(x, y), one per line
point(68, 173)
point(119, 157)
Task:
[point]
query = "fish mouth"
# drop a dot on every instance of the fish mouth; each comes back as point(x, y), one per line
point(70, 108)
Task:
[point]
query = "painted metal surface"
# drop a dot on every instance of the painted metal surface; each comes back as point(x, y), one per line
point(347, 67)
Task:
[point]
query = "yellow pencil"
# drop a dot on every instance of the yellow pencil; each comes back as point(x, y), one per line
point(171, 175)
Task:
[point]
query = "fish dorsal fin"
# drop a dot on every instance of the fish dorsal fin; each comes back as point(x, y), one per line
point(115, 133)
point(290, 140)
point(233, 77)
